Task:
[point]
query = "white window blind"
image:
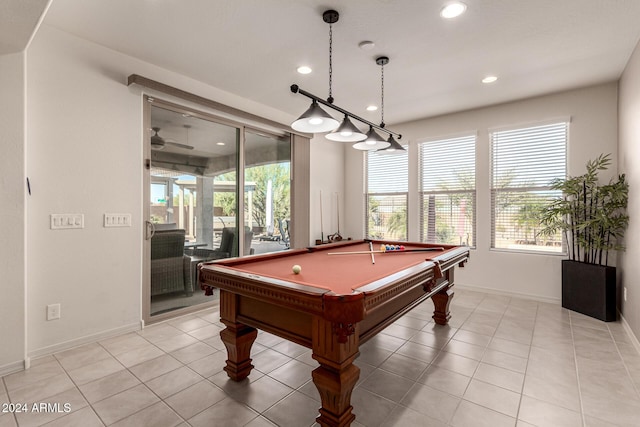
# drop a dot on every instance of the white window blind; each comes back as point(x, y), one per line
point(386, 179)
point(523, 164)
point(448, 190)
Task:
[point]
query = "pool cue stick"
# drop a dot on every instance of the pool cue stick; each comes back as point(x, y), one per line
point(373, 260)
point(321, 228)
point(387, 252)
point(337, 236)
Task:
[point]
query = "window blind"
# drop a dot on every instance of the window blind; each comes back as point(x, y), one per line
point(523, 164)
point(448, 190)
point(386, 183)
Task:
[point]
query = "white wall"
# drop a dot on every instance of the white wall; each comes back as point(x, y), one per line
point(85, 155)
point(12, 205)
point(629, 164)
point(327, 176)
point(593, 130)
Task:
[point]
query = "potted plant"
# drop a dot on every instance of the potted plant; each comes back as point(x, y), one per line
point(592, 216)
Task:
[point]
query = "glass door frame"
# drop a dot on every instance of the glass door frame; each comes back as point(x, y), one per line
point(148, 101)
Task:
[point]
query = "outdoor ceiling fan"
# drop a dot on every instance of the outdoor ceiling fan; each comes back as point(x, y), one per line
point(158, 143)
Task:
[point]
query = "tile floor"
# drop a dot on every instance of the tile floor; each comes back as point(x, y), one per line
point(501, 362)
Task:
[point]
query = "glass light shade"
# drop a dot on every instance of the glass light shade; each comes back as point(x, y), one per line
point(373, 142)
point(315, 120)
point(346, 132)
point(394, 147)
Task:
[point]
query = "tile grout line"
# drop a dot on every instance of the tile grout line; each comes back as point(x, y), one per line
point(626, 368)
point(91, 405)
point(259, 413)
point(141, 382)
point(483, 354)
point(6, 391)
point(524, 378)
point(398, 404)
point(575, 358)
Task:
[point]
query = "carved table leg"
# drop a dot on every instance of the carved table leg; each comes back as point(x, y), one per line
point(237, 338)
point(336, 376)
point(441, 301)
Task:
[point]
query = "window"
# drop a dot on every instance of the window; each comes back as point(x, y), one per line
point(386, 195)
point(523, 163)
point(448, 190)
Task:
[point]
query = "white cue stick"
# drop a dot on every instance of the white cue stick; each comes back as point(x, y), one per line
point(387, 252)
point(321, 227)
point(373, 260)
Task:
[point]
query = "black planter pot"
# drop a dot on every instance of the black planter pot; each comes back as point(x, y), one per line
point(589, 289)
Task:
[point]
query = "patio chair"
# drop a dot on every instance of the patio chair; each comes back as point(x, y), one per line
point(170, 267)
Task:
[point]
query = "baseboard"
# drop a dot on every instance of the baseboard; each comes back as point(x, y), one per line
point(44, 351)
point(627, 328)
point(12, 367)
point(492, 291)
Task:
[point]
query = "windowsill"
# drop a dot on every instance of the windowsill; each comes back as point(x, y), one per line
point(529, 252)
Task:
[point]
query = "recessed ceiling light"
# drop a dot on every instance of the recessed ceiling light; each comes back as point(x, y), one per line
point(451, 10)
point(220, 143)
point(489, 79)
point(372, 108)
point(304, 69)
point(366, 45)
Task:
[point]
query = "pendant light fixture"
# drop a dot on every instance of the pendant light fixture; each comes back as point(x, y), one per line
point(375, 141)
point(346, 132)
point(393, 146)
point(316, 120)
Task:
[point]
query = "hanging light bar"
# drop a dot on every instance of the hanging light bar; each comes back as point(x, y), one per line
point(296, 89)
point(316, 120)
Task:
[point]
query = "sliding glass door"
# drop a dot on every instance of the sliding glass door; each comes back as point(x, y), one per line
point(195, 207)
point(267, 196)
point(192, 208)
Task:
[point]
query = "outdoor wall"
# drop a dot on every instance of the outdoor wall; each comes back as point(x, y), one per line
point(12, 206)
point(593, 130)
point(85, 155)
point(629, 164)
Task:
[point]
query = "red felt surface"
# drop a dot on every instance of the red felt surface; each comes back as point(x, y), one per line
point(340, 274)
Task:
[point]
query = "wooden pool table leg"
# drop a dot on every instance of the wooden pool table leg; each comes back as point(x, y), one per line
point(442, 299)
point(336, 376)
point(237, 338)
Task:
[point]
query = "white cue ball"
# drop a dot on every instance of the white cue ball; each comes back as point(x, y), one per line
point(297, 269)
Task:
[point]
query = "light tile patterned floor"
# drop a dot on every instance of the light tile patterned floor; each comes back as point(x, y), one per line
point(501, 362)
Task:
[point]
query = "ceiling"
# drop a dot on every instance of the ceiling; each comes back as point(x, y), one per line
point(18, 19)
point(252, 48)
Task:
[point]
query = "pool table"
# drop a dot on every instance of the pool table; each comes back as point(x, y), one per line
point(338, 301)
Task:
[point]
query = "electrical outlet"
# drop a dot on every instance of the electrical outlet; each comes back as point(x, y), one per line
point(625, 293)
point(53, 311)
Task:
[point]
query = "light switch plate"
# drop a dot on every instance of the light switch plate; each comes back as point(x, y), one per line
point(66, 221)
point(117, 220)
